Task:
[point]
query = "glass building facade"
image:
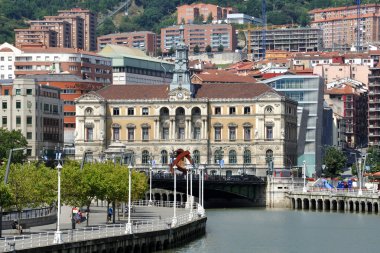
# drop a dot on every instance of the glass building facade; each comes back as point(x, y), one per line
point(307, 90)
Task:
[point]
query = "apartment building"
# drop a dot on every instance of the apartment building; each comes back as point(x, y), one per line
point(73, 28)
point(334, 72)
point(374, 107)
point(89, 25)
point(340, 26)
point(8, 55)
point(285, 39)
point(36, 110)
point(186, 14)
point(36, 37)
point(201, 36)
point(37, 60)
point(143, 40)
point(348, 100)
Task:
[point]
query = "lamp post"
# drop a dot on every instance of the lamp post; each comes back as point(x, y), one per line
point(304, 177)
point(187, 205)
point(58, 234)
point(201, 210)
point(152, 164)
point(128, 226)
point(174, 220)
point(190, 170)
point(360, 191)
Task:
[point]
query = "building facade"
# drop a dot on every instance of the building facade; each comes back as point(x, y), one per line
point(335, 72)
point(143, 40)
point(131, 66)
point(241, 18)
point(286, 39)
point(33, 61)
point(340, 26)
point(37, 111)
point(307, 90)
point(186, 14)
point(230, 128)
point(201, 36)
point(8, 55)
point(36, 37)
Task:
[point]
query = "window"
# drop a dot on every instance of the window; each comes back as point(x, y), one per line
point(9, 58)
point(131, 134)
point(197, 157)
point(29, 152)
point(218, 110)
point(197, 133)
point(164, 157)
point(18, 120)
point(145, 134)
point(145, 111)
point(269, 109)
point(18, 104)
point(116, 134)
point(29, 120)
point(6, 92)
point(247, 133)
point(29, 135)
point(247, 156)
point(232, 157)
point(9, 67)
point(181, 133)
point(232, 110)
point(116, 111)
point(29, 91)
point(269, 132)
point(218, 156)
point(218, 133)
point(145, 157)
point(131, 111)
point(18, 91)
point(4, 105)
point(4, 121)
point(165, 133)
point(89, 134)
point(247, 110)
point(232, 133)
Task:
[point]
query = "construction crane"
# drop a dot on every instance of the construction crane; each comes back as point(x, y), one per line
point(264, 30)
point(358, 26)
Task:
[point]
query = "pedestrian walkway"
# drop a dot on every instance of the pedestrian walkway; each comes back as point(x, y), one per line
point(144, 218)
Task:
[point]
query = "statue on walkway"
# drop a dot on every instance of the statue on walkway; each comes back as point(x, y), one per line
point(179, 160)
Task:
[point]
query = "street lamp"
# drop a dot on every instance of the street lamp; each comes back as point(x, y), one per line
point(152, 164)
point(174, 220)
point(190, 170)
point(187, 204)
point(201, 210)
point(128, 226)
point(58, 234)
point(304, 177)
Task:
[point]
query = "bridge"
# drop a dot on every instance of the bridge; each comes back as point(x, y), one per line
point(347, 200)
point(219, 191)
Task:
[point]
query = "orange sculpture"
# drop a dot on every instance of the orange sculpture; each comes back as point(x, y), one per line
point(179, 161)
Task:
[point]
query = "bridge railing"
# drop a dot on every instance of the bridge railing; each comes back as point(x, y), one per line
point(335, 191)
point(9, 244)
point(236, 178)
point(28, 213)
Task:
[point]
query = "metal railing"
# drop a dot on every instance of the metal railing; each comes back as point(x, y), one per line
point(28, 213)
point(336, 191)
point(9, 244)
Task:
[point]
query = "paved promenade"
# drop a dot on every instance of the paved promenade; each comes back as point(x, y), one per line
point(144, 218)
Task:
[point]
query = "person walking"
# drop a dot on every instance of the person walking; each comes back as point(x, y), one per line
point(109, 214)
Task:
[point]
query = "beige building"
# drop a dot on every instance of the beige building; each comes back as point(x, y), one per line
point(334, 72)
point(36, 110)
point(245, 125)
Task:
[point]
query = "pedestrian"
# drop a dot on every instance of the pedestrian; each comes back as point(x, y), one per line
point(109, 214)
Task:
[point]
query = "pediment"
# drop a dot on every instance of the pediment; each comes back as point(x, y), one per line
point(91, 96)
point(269, 95)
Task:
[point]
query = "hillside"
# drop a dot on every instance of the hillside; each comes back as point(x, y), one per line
point(153, 14)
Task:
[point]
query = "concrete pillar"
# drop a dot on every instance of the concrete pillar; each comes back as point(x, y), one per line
point(323, 205)
point(296, 203)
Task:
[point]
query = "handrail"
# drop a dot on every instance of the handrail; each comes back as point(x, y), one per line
point(87, 233)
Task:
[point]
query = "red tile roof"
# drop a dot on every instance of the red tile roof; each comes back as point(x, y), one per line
point(341, 91)
point(145, 91)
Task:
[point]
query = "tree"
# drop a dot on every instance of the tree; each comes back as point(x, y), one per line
point(199, 19)
point(171, 51)
point(335, 161)
point(208, 49)
point(220, 48)
point(9, 140)
point(107, 27)
point(196, 49)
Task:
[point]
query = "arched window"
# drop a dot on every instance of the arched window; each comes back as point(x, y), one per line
point(247, 156)
point(232, 157)
point(164, 157)
point(196, 111)
point(164, 111)
point(180, 111)
point(197, 156)
point(89, 111)
point(145, 157)
point(269, 109)
point(218, 155)
point(269, 156)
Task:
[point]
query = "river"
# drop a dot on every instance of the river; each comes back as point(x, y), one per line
point(257, 230)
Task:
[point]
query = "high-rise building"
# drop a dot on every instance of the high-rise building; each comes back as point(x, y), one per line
point(36, 37)
point(89, 24)
point(77, 29)
point(62, 28)
point(340, 25)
